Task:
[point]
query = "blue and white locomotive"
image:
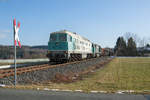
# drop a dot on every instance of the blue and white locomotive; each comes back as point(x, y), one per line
point(66, 46)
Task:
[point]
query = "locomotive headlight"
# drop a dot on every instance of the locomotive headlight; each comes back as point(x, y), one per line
point(65, 52)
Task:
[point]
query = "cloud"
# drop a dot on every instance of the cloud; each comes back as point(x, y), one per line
point(2, 36)
point(3, 33)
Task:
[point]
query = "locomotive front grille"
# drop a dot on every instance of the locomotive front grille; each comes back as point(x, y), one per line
point(58, 55)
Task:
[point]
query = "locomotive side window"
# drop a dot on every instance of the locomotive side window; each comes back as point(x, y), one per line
point(53, 37)
point(62, 37)
point(69, 38)
point(75, 40)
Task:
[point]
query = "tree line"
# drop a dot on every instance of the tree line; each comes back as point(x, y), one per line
point(26, 52)
point(124, 48)
point(127, 46)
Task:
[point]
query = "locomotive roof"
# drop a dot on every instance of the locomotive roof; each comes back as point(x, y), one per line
point(71, 33)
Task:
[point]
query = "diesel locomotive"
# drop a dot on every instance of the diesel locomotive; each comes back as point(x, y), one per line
point(66, 46)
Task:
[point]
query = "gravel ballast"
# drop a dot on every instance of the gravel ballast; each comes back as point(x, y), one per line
point(49, 74)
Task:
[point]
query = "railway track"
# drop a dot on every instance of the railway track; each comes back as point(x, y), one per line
point(7, 66)
point(10, 72)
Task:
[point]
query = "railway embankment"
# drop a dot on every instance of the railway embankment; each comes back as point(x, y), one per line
point(59, 73)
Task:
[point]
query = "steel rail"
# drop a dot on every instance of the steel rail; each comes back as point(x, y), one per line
point(10, 72)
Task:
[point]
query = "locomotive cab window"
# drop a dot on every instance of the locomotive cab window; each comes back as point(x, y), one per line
point(53, 37)
point(69, 38)
point(62, 37)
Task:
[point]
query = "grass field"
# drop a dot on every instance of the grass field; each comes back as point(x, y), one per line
point(119, 74)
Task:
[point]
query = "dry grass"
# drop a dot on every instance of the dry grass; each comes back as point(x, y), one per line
point(119, 74)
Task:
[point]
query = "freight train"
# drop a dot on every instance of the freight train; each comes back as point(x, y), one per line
point(64, 46)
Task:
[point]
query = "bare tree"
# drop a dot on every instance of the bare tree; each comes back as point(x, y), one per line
point(143, 42)
point(135, 37)
point(148, 40)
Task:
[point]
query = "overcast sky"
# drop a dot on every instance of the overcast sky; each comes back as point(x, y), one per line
point(101, 21)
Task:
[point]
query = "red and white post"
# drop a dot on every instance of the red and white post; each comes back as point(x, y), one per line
point(16, 39)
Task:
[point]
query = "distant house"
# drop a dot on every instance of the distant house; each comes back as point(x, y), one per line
point(144, 51)
point(147, 48)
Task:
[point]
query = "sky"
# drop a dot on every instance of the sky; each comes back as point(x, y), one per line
point(101, 21)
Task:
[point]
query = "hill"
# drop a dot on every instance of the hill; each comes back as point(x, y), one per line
point(40, 47)
point(26, 52)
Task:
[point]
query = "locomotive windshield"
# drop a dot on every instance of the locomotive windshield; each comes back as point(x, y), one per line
point(53, 37)
point(58, 37)
point(62, 37)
